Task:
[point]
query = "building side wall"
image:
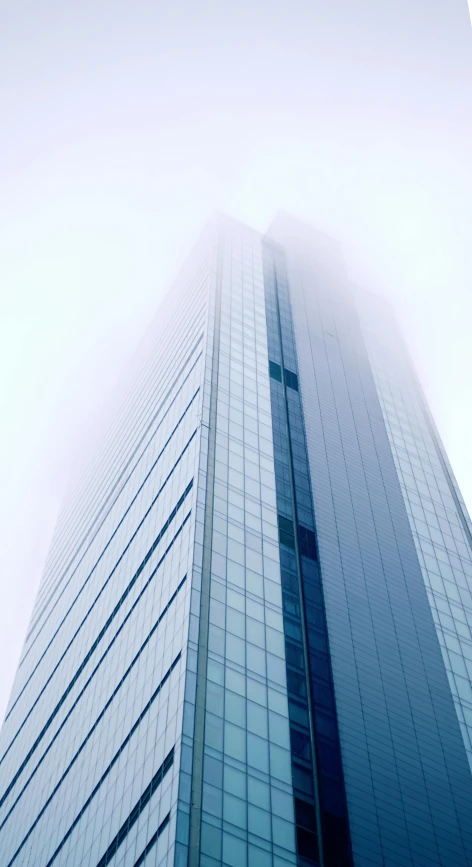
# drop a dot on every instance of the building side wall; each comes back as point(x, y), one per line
point(407, 782)
point(438, 517)
point(91, 746)
point(168, 352)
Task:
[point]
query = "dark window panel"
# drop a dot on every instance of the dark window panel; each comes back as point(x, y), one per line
point(307, 846)
point(291, 379)
point(275, 371)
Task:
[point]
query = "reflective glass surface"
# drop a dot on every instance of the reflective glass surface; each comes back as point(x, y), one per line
point(233, 658)
point(408, 784)
point(90, 748)
point(438, 517)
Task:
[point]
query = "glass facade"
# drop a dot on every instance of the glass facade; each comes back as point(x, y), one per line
point(233, 657)
point(91, 744)
point(439, 520)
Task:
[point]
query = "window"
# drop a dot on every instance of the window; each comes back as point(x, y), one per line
point(275, 371)
point(306, 539)
point(291, 379)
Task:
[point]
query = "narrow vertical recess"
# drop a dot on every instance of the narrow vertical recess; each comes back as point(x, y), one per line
point(322, 829)
point(200, 700)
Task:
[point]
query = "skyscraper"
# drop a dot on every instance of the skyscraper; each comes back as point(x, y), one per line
point(251, 644)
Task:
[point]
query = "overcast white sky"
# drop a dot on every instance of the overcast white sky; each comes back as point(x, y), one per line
point(124, 126)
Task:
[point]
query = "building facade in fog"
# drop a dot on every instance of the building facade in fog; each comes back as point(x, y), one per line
point(252, 641)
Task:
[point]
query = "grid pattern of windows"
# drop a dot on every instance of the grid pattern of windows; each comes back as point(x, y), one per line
point(232, 660)
point(316, 761)
point(90, 748)
point(408, 784)
point(438, 517)
point(246, 789)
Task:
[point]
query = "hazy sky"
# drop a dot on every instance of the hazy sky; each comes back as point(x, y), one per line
point(125, 125)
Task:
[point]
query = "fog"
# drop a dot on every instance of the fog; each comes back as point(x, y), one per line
point(125, 126)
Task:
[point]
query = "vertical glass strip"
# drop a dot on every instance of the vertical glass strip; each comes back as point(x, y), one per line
point(319, 795)
point(241, 808)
